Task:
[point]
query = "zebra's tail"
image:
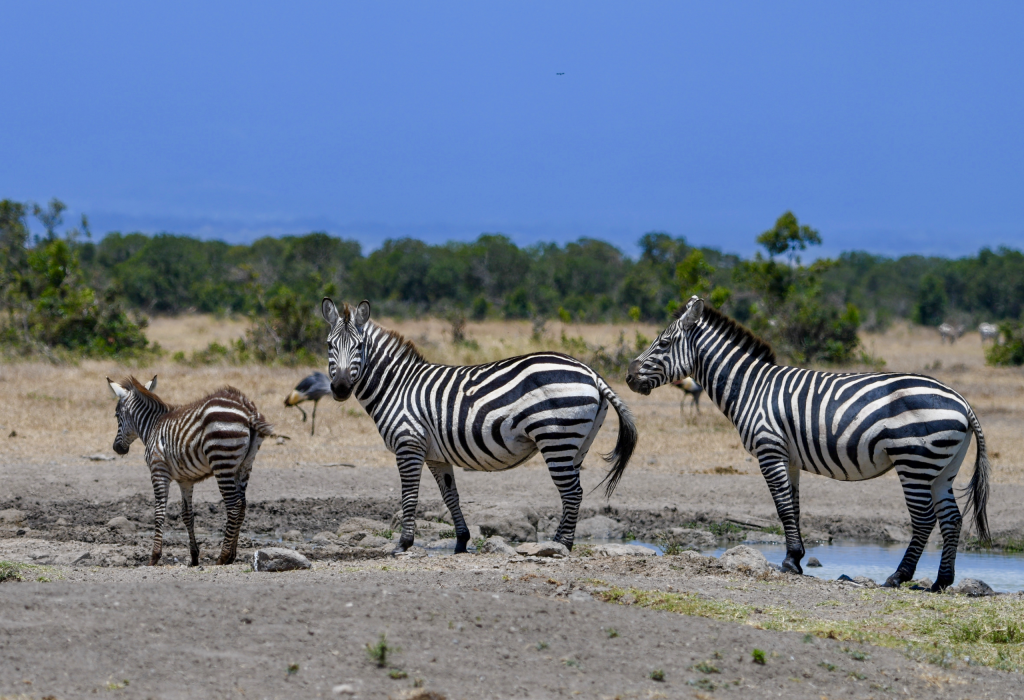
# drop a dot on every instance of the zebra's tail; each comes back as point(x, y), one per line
point(626, 443)
point(977, 490)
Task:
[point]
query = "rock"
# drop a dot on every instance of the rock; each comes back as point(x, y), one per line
point(121, 524)
point(515, 524)
point(580, 597)
point(292, 536)
point(690, 538)
point(497, 545)
point(12, 516)
point(600, 527)
point(72, 558)
point(972, 587)
point(758, 537)
point(344, 689)
point(813, 562)
point(865, 581)
point(542, 549)
point(324, 537)
point(278, 559)
point(373, 541)
point(99, 458)
point(922, 584)
point(744, 558)
point(356, 524)
point(417, 694)
point(622, 550)
point(694, 557)
point(61, 521)
point(894, 533)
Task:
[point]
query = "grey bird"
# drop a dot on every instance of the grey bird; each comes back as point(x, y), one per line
point(312, 388)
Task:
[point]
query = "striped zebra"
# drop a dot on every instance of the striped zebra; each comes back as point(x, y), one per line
point(488, 417)
point(218, 436)
point(950, 333)
point(988, 331)
point(845, 426)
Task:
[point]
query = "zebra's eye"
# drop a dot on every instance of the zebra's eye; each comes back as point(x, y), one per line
point(665, 340)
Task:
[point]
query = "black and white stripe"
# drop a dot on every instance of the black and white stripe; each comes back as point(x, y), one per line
point(487, 417)
point(217, 436)
point(845, 426)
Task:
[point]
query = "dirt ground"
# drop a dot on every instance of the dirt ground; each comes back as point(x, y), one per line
point(220, 631)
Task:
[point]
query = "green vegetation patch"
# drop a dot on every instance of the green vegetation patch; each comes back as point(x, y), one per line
point(939, 629)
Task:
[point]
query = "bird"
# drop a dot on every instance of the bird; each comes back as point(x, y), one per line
point(559, 73)
point(690, 387)
point(312, 388)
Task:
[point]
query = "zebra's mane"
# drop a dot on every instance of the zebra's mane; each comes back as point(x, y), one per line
point(140, 388)
point(404, 343)
point(735, 330)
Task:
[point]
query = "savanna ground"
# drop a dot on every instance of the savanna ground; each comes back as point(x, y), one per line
point(474, 625)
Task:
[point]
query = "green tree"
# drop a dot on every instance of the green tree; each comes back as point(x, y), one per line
point(930, 309)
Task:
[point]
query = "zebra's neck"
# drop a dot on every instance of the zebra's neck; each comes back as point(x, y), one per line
point(387, 359)
point(727, 363)
point(144, 414)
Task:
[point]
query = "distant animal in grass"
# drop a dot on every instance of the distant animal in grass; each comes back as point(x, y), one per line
point(988, 331)
point(689, 388)
point(950, 333)
point(312, 388)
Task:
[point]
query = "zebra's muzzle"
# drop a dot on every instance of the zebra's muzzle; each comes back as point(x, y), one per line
point(341, 388)
point(120, 448)
point(633, 380)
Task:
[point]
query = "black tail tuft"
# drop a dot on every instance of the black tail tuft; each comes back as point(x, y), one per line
point(624, 446)
point(977, 489)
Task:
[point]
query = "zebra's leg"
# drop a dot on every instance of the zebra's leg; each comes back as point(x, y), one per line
point(444, 475)
point(948, 514)
point(784, 493)
point(188, 517)
point(567, 481)
point(234, 503)
point(564, 456)
point(410, 467)
point(917, 492)
point(161, 482)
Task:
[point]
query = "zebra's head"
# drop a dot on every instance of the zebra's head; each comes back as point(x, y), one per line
point(127, 426)
point(670, 357)
point(346, 345)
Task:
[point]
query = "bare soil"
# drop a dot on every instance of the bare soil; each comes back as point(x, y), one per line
point(468, 626)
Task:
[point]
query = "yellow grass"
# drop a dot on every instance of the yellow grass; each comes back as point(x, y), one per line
point(63, 412)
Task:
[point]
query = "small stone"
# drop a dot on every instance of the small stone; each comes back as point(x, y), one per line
point(72, 558)
point(893, 533)
point(278, 559)
point(352, 525)
point(12, 516)
point(744, 558)
point(691, 538)
point(622, 550)
point(121, 524)
point(324, 537)
point(816, 536)
point(865, 581)
point(61, 521)
point(497, 545)
point(343, 689)
point(292, 536)
point(372, 541)
point(600, 527)
point(580, 597)
point(813, 562)
point(417, 694)
point(922, 584)
point(514, 524)
point(543, 549)
point(972, 587)
point(99, 458)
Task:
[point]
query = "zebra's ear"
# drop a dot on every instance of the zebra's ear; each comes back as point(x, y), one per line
point(330, 311)
point(362, 313)
point(151, 385)
point(116, 389)
point(694, 310)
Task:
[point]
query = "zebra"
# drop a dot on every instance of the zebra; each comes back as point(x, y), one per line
point(845, 426)
point(950, 333)
point(488, 417)
point(988, 331)
point(218, 436)
point(689, 388)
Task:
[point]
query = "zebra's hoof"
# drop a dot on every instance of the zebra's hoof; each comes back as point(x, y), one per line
point(789, 566)
point(894, 581)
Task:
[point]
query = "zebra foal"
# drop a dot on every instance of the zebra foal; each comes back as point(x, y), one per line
point(488, 417)
point(850, 427)
point(217, 436)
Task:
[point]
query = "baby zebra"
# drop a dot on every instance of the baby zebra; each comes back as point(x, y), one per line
point(216, 436)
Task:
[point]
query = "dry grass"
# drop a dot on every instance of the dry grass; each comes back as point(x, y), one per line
point(75, 400)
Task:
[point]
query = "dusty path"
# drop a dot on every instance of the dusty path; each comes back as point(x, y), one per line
point(468, 627)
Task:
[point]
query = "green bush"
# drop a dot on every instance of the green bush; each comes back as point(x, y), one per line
point(1009, 347)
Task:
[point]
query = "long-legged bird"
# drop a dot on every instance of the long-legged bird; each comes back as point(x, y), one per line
point(312, 388)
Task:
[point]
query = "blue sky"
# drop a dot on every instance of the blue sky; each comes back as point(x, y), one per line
point(890, 127)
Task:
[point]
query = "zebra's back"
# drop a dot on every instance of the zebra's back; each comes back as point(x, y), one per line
point(216, 431)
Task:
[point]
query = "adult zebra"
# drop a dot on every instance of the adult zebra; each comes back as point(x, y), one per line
point(217, 436)
point(845, 426)
point(486, 417)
